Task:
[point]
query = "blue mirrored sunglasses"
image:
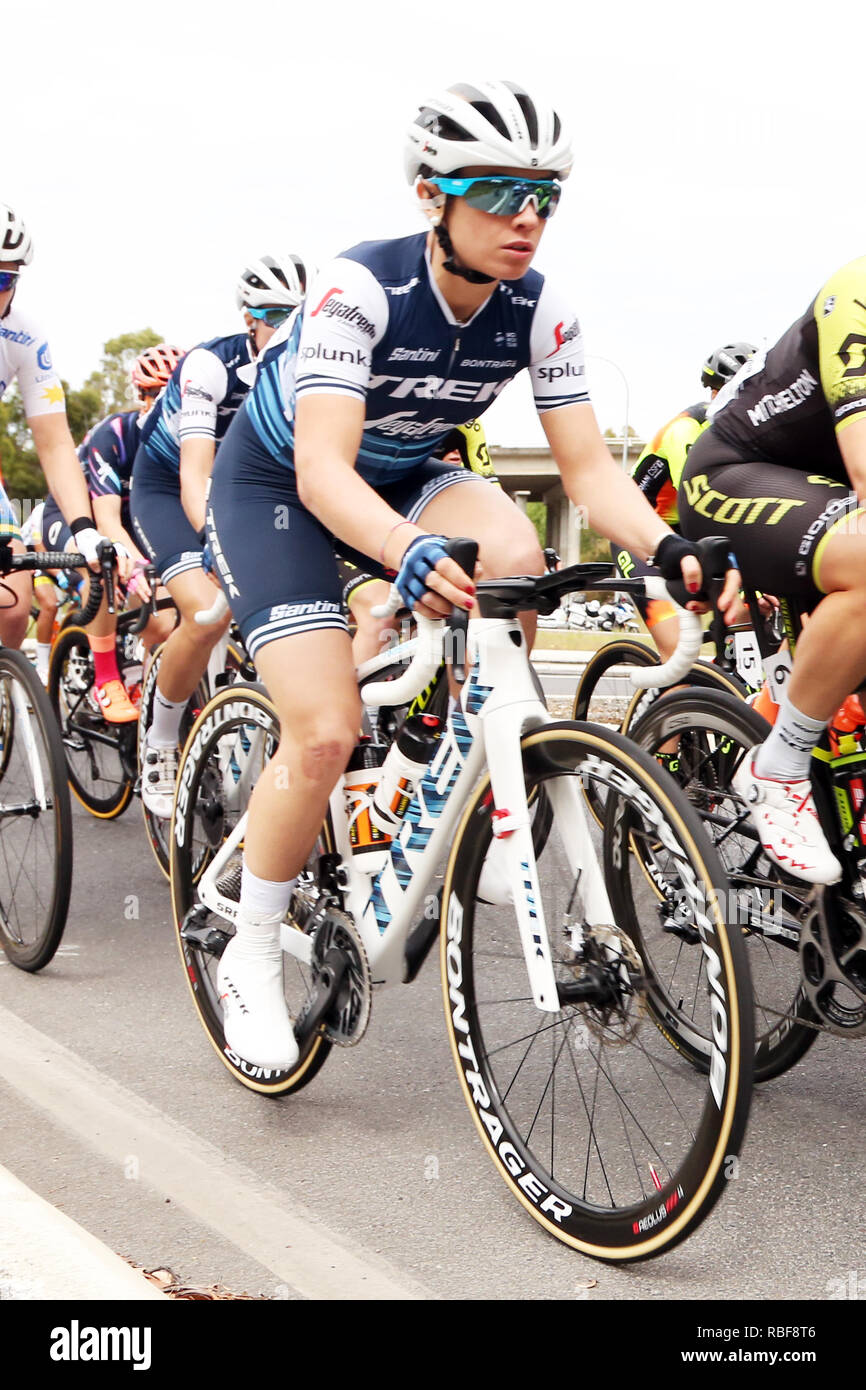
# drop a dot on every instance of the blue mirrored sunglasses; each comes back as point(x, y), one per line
point(503, 195)
point(8, 280)
point(272, 316)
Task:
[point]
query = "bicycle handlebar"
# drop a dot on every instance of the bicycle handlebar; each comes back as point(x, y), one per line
point(687, 649)
point(148, 609)
point(427, 658)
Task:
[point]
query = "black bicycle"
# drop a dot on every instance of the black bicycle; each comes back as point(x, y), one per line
point(35, 813)
point(101, 756)
point(807, 945)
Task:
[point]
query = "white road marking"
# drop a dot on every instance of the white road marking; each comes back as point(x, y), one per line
point(257, 1218)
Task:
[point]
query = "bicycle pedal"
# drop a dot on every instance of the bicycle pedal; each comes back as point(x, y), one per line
point(196, 930)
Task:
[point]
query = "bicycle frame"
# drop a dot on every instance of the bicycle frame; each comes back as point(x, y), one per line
point(498, 704)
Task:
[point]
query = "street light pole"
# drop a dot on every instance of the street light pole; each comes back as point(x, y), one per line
point(595, 357)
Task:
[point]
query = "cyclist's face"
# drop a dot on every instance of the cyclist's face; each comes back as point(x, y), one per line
point(6, 295)
point(499, 246)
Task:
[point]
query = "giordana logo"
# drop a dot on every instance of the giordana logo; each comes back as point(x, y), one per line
point(77, 1343)
point(333, 307)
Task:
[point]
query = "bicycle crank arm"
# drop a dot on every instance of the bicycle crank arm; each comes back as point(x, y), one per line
point(328, 986)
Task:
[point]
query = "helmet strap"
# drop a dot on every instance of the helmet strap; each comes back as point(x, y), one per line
point(475, 277)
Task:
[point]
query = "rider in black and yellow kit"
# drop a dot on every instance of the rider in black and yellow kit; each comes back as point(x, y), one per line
point(782, 472)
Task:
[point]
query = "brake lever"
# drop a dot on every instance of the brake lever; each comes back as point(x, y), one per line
point(465, 552)
point(107, 556)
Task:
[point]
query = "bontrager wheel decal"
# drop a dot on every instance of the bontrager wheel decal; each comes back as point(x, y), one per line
point(521, 1183)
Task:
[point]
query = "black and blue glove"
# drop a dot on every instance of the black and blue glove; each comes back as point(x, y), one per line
point(421, 556)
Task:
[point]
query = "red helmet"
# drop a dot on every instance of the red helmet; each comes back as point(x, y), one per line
point(153, 367)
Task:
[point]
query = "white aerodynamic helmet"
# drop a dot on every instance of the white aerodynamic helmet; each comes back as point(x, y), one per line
point(492, 123)
point(16, 243)
point(273, 280)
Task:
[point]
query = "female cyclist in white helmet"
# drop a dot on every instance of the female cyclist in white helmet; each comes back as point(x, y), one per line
point(399, 342)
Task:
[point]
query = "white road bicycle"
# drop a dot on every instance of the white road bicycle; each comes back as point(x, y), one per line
point(565, 1004)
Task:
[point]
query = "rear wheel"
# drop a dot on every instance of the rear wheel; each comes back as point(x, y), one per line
point(607, 695)
point(100, 757)
point(157, 827)
point(593, 1117)
point(710, 735)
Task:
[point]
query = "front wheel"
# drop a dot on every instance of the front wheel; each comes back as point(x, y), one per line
point(594, 1118)
point(229, 744)
point(35, 819)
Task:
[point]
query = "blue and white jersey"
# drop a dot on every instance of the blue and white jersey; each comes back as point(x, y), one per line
point(201, 398)
point(376, 327)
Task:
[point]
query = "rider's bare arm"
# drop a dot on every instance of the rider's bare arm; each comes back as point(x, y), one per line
point(610, 500)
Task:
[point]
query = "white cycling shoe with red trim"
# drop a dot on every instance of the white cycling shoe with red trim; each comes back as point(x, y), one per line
point(787, 823)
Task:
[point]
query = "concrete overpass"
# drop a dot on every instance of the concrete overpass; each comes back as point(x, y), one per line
point(530, 475)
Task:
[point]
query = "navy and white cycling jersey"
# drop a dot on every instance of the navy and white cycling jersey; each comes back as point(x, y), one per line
point(376, 327)
point(107, 454)
point(202, 395)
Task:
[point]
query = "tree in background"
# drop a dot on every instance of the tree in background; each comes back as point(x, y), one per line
point(111, 380)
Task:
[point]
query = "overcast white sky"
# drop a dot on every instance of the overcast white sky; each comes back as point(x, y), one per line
point(719, 176)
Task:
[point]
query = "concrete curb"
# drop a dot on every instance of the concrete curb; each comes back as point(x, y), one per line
point(46, 1255)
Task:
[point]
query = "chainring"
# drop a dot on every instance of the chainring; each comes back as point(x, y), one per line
point(346, 1022)
point(833, 965)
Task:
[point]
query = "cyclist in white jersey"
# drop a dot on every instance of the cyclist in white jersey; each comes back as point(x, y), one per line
point(399, 342)
point(25, 357)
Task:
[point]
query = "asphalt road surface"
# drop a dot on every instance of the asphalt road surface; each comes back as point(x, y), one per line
point(372, 1182)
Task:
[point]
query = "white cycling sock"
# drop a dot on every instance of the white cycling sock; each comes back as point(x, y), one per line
point(165, 724)
point(788, 751)
point(43, 652)
point(262, 907)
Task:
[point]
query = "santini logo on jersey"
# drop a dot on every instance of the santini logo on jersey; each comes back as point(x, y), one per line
point(415, 354)
point(16, 335)
point(334, 308)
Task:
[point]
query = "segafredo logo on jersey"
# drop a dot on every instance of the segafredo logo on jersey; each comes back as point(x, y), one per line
point(334, 308)
point(562, 335)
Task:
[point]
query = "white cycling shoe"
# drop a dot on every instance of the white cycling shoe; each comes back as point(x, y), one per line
point(787, 823)
point(493, 885)
point(255, 1017)
point(158, 776)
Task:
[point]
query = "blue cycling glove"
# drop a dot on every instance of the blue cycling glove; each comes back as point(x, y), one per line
point(422, 555)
